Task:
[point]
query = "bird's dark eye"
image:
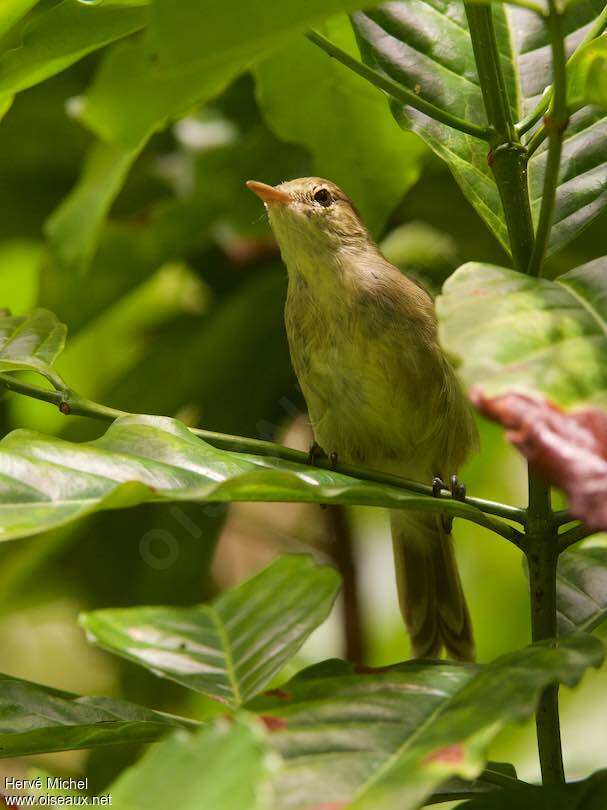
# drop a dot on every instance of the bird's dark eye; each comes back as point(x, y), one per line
point(323, 197)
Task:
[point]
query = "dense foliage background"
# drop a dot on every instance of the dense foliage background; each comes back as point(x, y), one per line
point(174, 306)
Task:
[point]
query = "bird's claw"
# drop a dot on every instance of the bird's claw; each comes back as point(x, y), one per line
point(437, 486)
point(333, 460)
point(458, 493)
point(458, 490)
point(315, 454)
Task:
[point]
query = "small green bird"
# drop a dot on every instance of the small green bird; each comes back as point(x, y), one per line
point(379, 390)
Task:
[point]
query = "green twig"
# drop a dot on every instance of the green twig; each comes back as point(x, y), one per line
point(507, 158)
point(69, 402)
point(555, 124)
point(542, 558)
point(572, 536)
point(397, 91)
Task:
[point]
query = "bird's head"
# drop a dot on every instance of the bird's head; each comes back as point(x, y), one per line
point(311, 216)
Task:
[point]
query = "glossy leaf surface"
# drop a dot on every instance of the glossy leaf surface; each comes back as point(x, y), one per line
point(47, 482)
point(426, 46)
point(231, 648)
point(390, 737)
point(582, 589)
point(37, 719)
point(32, 343)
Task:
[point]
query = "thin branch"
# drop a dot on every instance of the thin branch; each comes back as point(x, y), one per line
point(397, 91)
point(555, 123)
point(69, 402)
point(572, 536)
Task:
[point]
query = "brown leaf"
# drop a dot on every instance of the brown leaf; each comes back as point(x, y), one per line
point(448, 755)
point(565, 448)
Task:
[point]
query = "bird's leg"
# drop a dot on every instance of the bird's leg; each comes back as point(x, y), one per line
point(333, 460)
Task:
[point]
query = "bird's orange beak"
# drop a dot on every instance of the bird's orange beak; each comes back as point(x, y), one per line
point(269, 194)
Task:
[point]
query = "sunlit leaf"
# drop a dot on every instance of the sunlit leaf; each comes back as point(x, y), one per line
point(12, 11)
point(582, 589)
point(427, 48)
point(47, 482)
point(511, 332)
point(225, 766)
point(532, 347)
point(388, 738)
point(37, 719)
point(32, 343)
point(233, 647)
point(65, 33)
point(587, 75)
point(345, 123)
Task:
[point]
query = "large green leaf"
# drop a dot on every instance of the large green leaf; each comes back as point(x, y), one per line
point(37, 719)
point(589, 794)
point(65, 33)
point(75, 226)
point(32, 343)
point(233, 647)
point(12, 11)
point(425, 45)
point(225, 766)
point(582, 589)
point(512, 332)
point(219, 32)
point(388, 738)
point(344, 122)
point(47, 482)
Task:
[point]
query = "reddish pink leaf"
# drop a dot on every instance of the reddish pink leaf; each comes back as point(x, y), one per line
point(565, 448)
point(278, 693)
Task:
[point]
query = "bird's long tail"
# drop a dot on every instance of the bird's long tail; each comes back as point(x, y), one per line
point(430, 592)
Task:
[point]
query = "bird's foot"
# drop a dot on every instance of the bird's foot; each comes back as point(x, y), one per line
point(458, 493)
point(315, 454)
point(458, 490)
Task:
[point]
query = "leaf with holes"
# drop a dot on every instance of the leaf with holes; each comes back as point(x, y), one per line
point(32, 343)
point(426, 46)
point(231, 648)
point(389, 737)
point(224, 766)
point(582, 589)
point(37, 719)
point(48, 482)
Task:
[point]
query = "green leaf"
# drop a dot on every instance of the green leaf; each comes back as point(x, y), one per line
point(512, 332)
point(344, 123)
point(12, 11)
point(589, 794)
point(426, 47)
point(64, 34)
point(75, 226)
point(582, 589)
point(231, 32)
point(233, 647)
point(37, 719)
point(388, 738)
point(224, 766)
point(47, 482)
point(32, 343)
point(587, 75)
